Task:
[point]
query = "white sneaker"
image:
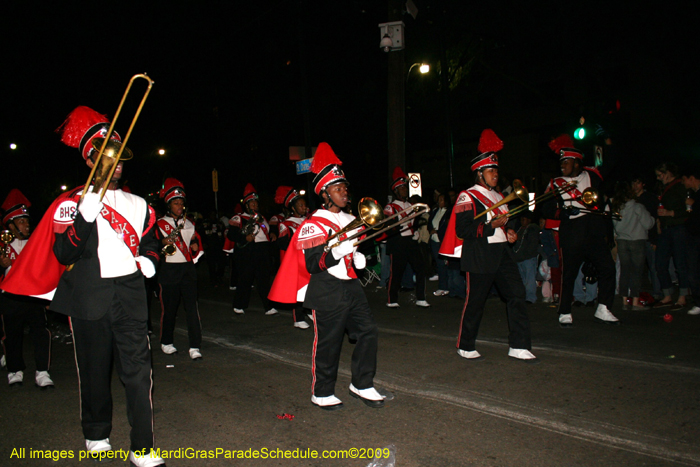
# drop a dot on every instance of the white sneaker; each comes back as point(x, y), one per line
point(393, 305)
point(566, 320)
point(232, 287)
point(145, 460)
point(16, 378)
point(98, 445)
point(422, 303)
point(3, 364)
point(271, 312)
point(434, 278)
point(469, 354)
point(369, 396)
point(168, 349)
point(301, 324)
point(440, 293)
point(547, 300)
point(522, 354)
point(311, 316)
point(195, 354)
point(239, 311)
point(43, 380)
point(694, 311)
point(603, 314)
point(327, 403)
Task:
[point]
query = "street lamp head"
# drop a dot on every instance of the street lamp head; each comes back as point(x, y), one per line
point(424, 68)
point(386, 43)
point(161, 152)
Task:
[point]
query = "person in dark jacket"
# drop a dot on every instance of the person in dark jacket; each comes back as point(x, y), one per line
point(526, 249)
point(691, 180)
point(673, 237)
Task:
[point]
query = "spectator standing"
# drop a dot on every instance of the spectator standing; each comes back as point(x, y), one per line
point(437, 222)
point(526, 249)
point(673, 237)
point(651, 203)
point(631, 234)
point(692, 182)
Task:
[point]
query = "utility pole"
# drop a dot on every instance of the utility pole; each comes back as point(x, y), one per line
point(396, 108)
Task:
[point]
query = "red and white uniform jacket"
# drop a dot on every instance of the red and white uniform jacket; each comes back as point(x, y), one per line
point(183, 242)
point(476, 199)
point(307, 262)
point(12, 251)
point(124, 230)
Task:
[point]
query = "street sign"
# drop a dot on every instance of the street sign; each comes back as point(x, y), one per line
point(303, 166)
point(215, 180)
point(414, 184)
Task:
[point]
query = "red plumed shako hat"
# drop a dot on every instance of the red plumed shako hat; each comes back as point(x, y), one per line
point(326, 166)
point(83, 126)
point(14, 206)
point(249, 193)
point(399, 178)
point(489, 145)
point(172, 189)
point(286, 195)
point(564, 146)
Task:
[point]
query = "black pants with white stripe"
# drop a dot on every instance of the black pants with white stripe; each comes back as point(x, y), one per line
point(17, 312)
point(178, 281)
point(353, 315)
point(120, 338)
point(510, 286)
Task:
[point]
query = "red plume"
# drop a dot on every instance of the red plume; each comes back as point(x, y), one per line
point(324, 157)
point(248, 190)
point(77, 123)
point(398, 173)
point(238, 209)
point(14, 198)
point(489, 142)
point(561, 141)
point(281, 194)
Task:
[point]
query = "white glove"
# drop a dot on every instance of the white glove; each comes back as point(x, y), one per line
point(359, 260)
point(90, 206)
point(344, 249)
point(416, 235)
point(146, 266)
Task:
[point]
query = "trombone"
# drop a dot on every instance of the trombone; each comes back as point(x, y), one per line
point(371, 215)
point(543, 197)
point(519, 191)
point(589, 197)
point(113, 149)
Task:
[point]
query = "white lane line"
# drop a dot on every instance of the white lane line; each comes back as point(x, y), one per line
point(559, 351)
point(603, 434)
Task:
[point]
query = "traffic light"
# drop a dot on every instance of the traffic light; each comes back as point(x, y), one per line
point(580, 132)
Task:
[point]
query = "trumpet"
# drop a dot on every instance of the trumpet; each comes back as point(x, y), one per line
point(170, 249)
point(374, 218)
point(6, 237)
point(113, 150)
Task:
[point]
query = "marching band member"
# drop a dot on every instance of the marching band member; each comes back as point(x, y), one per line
point(486, 256)
point(177, 275)
point(251, 234)
point(111, 246)
point(327, 283)
point(294, 202)
point(402, 247)
point(582, 235)
point(17, 310)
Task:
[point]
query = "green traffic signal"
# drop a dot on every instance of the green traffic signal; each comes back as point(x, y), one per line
point(580, 133)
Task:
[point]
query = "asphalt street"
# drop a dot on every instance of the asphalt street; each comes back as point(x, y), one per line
point(601, 395)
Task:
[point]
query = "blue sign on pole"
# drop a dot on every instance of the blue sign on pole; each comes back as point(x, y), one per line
point(303, 166)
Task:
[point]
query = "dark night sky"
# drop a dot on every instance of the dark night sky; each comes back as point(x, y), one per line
point(228, 90)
